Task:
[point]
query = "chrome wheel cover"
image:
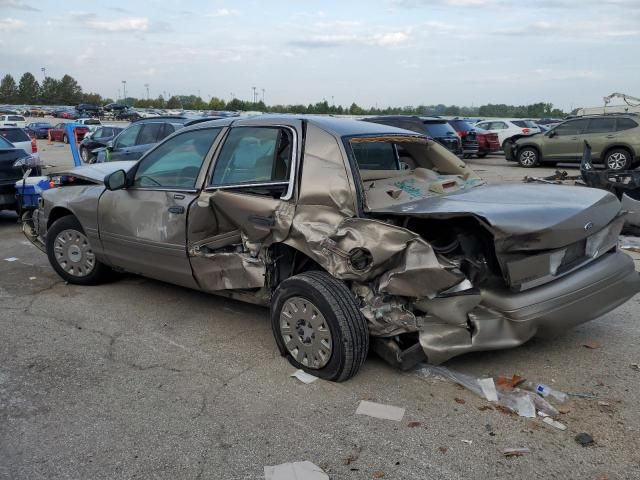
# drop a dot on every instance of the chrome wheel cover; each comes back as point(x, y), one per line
point(305, 333)
point(617, 161)
point(528, 158)
point(73, 253)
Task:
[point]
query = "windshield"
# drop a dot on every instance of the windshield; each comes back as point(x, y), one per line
point(462, 125)
point(397, 169)
point(14, 135)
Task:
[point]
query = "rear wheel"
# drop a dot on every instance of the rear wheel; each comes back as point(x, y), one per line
point(319, 327)
point(617, 159)
point(65, 139)
point(528, 157)
point(71, 255)
point(482, 154)
point(84, 154)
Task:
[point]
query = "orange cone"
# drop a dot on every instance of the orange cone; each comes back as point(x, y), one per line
point(49, 137)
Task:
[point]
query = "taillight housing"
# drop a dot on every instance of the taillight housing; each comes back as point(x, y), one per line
point(34, 145)
point(525, 131)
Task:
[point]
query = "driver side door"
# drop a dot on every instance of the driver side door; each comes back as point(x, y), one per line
point(143, 227)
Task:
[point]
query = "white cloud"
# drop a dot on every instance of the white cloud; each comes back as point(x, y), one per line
point(223, 12)
point(8, 25)
point(121, 25)
point(17, 5)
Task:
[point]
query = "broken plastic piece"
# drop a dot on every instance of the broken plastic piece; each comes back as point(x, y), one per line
point(11, 259)
point(303, 376)
point(584, 439)
point(295, 471)
point(488, 389)
point(554, 423)
point(521, 403)
point(468, 442)
point(379, 410)
point(515, 452)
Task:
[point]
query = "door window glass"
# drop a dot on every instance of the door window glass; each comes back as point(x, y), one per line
point(602, 125)
point(572, 127)
point(497, 126)
point(254, 155)
point(151, 133)
point(128, 137)
point(375, 156)
point(177, 162)
point(626, 124)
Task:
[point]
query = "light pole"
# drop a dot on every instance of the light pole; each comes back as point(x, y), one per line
point(263, 95)
point(124, 91)
point(254, 93)
point(44, 72)
point(146, 85)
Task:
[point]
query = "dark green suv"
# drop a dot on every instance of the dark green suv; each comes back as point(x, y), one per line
point(614, 140)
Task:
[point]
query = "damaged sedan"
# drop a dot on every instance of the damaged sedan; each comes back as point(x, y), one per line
point(357, 235)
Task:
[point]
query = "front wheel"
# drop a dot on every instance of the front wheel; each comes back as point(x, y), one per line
point(528, 157)
point(318, 326)
point(71, 255)
point(618, 159)
point(65, 139)
point(85, 155)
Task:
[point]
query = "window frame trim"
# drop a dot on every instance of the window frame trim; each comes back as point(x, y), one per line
point(292, 171)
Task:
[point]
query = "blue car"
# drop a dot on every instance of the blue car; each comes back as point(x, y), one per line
point(38, 129)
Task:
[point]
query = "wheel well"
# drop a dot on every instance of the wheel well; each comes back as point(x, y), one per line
point(534, 147)
point(56, 213)
point(617, 147)
point(285, 262)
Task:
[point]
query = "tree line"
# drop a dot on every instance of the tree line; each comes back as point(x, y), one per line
point(67, 91)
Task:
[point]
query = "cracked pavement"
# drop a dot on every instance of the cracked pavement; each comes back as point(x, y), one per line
point(141, 379)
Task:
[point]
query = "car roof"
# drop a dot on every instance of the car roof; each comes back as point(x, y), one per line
point(342, 127)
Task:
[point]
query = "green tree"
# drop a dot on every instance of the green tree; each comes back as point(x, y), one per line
point(8, 90)
point(216, 104)
point(236, 104)
point(28, 89)
point(70, 92)
point(174, 103)
point(354, 109)
point(92, 98)
point(50, 91)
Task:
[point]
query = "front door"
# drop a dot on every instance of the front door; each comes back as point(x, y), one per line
point(143, 227)
point(563, 144)
point(247, 201)
point(600, 133)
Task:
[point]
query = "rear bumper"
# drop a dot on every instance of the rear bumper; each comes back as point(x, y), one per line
point(505, 319)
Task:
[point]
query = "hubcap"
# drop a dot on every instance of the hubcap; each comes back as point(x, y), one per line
point(528, 158)
point(617, 161)
point(73, 253)
point(305, 333)
point(84, 154)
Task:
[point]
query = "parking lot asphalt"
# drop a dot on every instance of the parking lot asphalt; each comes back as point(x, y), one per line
point(141, 379)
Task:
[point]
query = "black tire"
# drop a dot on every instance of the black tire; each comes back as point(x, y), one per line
point(346, 324)
point(99, 273)
point(528, 157)
point(617, 159)
point(85, 155)
point(482, 154)
point(65, 139)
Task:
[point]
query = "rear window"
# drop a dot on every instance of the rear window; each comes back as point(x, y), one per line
point(375, 156)
point(462, 125)
point(525, 123)
point(439, 129)
point(15, 118)
point(626, 124)
point(15, 135)
point(4, 143)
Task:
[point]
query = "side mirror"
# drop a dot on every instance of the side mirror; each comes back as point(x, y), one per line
point(551, 133)
point(116, 180)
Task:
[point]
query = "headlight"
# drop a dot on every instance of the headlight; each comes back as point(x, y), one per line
point(27, 162)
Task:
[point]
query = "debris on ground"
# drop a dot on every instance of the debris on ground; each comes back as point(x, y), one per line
point(483, 408)
point(11, 259)
point(488, 389)
point(295, 471)
point(468, 442)
point(378, 474)
point(584, 439)
point(459, 400)
point(554, 423)
point(635, 366)
point(505, 383)
point(592, 344)
point(32, 278)
point(515, 452)
point(303, 376)
point(414, 424)
point(379, 410)
point(353, 455)
point(443, 450)
point(629, 243)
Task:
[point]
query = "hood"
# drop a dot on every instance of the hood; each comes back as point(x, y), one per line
point(97, 171)
point(523, 217)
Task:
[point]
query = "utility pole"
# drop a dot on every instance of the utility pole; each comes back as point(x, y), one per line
point(146, 85)
point(263, 95)
point(254, 94)
point(124, 91)
point(44, 72)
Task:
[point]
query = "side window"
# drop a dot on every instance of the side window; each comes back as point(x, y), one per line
point(572, 127)
point(375, 155)
point(128, 137)
point(177, 162)
point(497, 126)
point(601, 125)
point(625, 124)
point(167, 129)
point(254, 155)
point(151, 133)
point(483, 125)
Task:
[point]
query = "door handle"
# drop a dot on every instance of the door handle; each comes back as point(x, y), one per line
point(178, 196)
point(176, 209)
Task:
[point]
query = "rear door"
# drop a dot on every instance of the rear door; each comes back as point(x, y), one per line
point(124, 144)
point(600, 132)
point(247, 201)
point(150, 134)
point(143, 227)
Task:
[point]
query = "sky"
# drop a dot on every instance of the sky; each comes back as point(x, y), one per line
point(375, 52)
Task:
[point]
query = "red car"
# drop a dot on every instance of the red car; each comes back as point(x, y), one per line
point(59, 133)
point(487, 142)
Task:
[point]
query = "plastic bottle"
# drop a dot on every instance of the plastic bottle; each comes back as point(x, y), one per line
point(546, 391)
